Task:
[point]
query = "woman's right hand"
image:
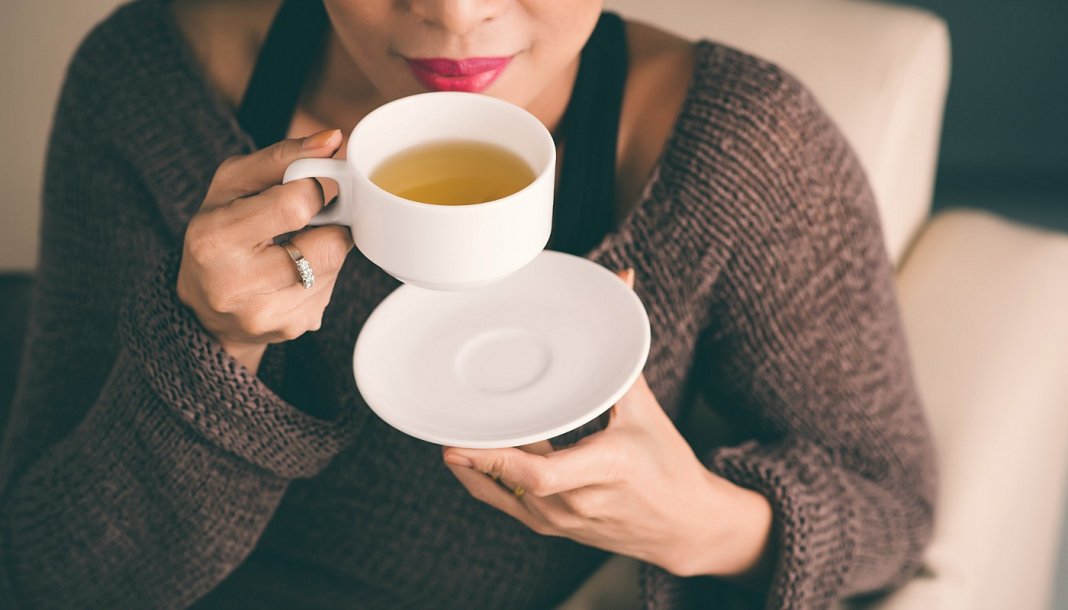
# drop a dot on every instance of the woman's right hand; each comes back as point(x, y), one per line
point(244, 289)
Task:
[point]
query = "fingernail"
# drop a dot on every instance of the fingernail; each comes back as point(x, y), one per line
point(319, 140)
point(459, 460)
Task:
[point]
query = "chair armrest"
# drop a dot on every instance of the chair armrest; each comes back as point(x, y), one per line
point(985, 306)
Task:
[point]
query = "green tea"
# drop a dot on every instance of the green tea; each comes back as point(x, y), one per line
point(453, 172)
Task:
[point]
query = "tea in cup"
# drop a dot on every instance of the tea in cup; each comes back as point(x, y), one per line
point(444, 190)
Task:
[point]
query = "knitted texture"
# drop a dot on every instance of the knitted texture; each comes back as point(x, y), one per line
point(144, 468)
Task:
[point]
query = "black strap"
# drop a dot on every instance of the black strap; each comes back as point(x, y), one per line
point(584, 208)
point(293, 43)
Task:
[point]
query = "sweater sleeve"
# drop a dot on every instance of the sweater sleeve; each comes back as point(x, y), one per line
point(140, 463)
point(805, 355)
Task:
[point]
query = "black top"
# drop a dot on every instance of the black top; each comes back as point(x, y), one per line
point(584, 207)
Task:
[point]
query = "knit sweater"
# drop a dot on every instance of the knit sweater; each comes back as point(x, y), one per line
point(143, 467)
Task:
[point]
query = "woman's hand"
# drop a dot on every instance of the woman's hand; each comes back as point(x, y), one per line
point(635, 488)
point(244, 289)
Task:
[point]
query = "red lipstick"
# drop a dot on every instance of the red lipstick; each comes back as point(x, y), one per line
point(470, 74)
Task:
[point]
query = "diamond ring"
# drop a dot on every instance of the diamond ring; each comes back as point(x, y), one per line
point(307, 276)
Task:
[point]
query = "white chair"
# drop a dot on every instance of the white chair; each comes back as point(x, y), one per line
point(984, 300)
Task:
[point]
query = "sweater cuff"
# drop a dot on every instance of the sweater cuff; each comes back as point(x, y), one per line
point(198, 380)
point(811, 531)
point(814, 546)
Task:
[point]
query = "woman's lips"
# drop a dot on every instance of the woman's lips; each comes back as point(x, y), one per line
point(471, 74)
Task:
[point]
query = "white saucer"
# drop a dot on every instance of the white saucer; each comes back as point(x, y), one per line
point(537, 354)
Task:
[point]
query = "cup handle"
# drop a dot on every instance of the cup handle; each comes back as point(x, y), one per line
point(336, 169)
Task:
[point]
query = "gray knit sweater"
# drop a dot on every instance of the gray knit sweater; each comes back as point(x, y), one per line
point(144, 468)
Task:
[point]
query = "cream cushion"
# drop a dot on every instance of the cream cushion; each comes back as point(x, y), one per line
point(985, 306)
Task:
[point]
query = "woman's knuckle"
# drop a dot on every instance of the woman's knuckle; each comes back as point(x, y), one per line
point(322, 300)
point(277, 155)
point(546, 481)
point(332, 254)
point(303, 201)
point(291, 213)
point(478, 492)
point(218, 301)
point(308, 193)
point(200, 250)
point(540, 483)
point(256, 322)
point(293, 331)
point(225, 172)
point(314, 321)
point(248, 327)
point(229, 164)
point(543, 528)
point(195, 237)
point(196, 225)
point(563, 521)
point(184, 293)
point(497, 466)
point(680, 568)
point(204, 239)
point(581, 505)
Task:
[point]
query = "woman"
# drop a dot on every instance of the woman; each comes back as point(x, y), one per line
point(186, 432)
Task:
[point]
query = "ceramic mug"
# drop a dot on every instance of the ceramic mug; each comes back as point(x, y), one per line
point(440, 247)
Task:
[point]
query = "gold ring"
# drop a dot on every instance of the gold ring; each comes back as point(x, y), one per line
point(518, 491)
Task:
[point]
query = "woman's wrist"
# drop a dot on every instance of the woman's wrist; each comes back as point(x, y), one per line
point(750, 539)
point(733, 538)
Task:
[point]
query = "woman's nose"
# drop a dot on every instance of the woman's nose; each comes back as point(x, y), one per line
point(457, 17)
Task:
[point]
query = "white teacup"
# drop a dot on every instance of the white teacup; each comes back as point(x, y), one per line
point(440, 247)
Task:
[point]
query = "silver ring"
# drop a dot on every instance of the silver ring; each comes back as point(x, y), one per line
point(307, 276)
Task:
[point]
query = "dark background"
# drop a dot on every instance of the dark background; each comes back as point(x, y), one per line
point(1005, 137)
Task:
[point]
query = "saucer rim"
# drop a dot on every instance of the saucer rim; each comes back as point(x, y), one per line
point(640, 360)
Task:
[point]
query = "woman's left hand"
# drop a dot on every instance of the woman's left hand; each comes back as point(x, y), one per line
point(635, 488)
